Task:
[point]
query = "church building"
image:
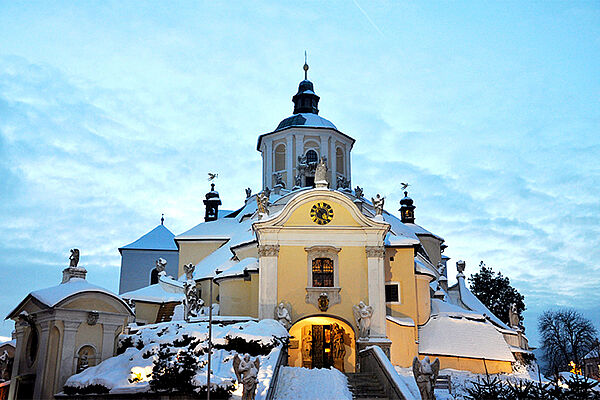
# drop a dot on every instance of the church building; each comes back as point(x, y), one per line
point(331, 263)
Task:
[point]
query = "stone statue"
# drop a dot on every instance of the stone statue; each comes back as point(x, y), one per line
point(267, 192)
point(442, 269)
point(161, 265)
point(83, 362)
point(321, 173)
point(460, 266)
point(248, 192)
point(358, 192)
point(362, 315)
point(342, 183)
point(513, 316)
point(339, 349)
point(378, 204)
point(279, 180)
point(298, 180)
point(246, 372)
point(425, 374)
point(6, 362)
point(282, 314)
point(192, 301)
point(302, 160)
point(307, 346)
point(189, 271)
point(74, 258)
point(262, 200)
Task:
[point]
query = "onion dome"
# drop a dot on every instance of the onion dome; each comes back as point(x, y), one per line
point(407, 210)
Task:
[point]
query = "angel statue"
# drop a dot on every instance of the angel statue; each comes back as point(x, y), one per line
point(513, 316)
point(282, 314)
point(362, 315)
point(248, 192)
point(246, 372)
point(189, 271)
point(74, 258)
point(262, 200)
point(192, 301)
point(378, 204)
point(425, 374)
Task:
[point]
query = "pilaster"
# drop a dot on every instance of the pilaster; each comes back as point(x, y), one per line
point(267, 283)
point(108, 339)
point(41, 357)
point(376, 284)
point(68, 351)
point(19, 357)
point(289, 162)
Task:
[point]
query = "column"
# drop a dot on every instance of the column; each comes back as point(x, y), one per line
point(42, 355)
point(299, 149)
point(376, 284)
point(333, 167)
point(20, 347)
point(289, 162)
point(108, 340)
point(267, 282)
point(268, 177)
point(68, 352)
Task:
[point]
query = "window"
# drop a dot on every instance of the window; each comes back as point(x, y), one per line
point(339, 161)
point(280, 157)
point(322, 272)
point(392, 293)
point(154, 276)
point(311, 156)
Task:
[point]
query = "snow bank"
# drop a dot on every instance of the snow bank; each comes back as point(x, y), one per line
point(312, 384)
point(131, 371)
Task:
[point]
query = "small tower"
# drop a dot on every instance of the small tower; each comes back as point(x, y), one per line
point(212, 204)
point(407, 210)
point(306, 100)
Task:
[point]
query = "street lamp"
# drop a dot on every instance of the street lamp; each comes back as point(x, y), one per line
point(210, 296)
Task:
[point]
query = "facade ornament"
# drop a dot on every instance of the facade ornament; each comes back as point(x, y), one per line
point(248, 193)
point(339, 348)
point(189, 271)
point(378, 204)
point(192, 302)
point(425, 374)
point(92, 318)
point(358, 192)
point(513, 316)
point(161, 265)
point(323, 302)
point(298, 181)
point(321, 174)
point(246, 372)
point(279, 180)
point(282, 314)
point(74, 258)
point(267, 192)
point(362, 316)
point(268, 250)
point(342, 183)
point(306, 346)
point(375, 251)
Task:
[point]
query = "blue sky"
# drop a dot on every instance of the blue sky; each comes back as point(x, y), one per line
point(111, 114)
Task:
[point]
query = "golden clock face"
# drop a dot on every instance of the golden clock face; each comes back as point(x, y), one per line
point(321, 213)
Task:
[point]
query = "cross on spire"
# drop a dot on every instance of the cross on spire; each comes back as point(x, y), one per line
point(162, 219)
point(305, 67)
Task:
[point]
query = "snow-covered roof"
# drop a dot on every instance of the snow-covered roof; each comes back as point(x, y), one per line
point(153, 294)
point(11, 342)
point(221, 229)
point(239, 268)
point(419, 230)
point(403, 321)
point(452, 335)
point(305, 119)
point(159, 238)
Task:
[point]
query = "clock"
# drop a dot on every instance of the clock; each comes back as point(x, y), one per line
point(321, 213)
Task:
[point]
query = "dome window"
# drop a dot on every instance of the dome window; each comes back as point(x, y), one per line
point(311, 156)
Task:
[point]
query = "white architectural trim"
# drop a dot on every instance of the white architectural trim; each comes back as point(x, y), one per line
point(399, 292)
point(314, 252)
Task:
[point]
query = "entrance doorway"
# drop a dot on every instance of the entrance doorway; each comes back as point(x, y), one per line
point(322, 342)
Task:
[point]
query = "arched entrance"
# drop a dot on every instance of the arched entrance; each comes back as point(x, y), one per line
point(322, 342)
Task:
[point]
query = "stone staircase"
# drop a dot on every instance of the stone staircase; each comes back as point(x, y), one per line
point(365, 386)
point(443, 382)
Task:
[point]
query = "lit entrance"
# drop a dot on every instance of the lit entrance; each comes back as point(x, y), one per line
point(322, 342)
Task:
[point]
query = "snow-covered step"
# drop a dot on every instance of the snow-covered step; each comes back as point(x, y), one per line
point(365, 386)
point(296, 383)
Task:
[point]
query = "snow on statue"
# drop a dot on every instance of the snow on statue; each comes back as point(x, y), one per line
point(161, 265)
point(378, 204)
point(362, 315)
point(282, 314)
point(246, 372)
point(426, 373)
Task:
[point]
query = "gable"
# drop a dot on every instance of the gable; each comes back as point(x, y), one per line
point(301, 215)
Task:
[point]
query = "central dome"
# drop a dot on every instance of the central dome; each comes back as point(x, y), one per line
point(305, 119)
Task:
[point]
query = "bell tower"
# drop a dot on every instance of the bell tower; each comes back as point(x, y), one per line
point(407, 210)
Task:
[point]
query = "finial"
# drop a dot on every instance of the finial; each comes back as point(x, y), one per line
point(405, 193)
point(212, 187)
point(305, 67)
point(162, 219)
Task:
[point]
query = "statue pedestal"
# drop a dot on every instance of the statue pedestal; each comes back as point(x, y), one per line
point(382, 342)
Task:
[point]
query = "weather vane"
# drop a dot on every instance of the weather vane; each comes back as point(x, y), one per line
point(212, 176)
point(305, 67)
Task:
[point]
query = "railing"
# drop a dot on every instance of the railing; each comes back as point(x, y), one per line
point(281, 360)
point(374, 360)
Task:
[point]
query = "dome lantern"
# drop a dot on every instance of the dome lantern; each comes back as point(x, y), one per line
point(407, 210)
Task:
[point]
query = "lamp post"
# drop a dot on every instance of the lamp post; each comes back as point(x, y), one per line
point(210, 296)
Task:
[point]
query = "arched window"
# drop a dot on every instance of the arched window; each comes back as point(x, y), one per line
point(280, 157)
point(339, 161)
point(154, 276)
point(311, 156)
point(322, 272)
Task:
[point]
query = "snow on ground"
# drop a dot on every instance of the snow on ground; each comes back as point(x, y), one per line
point(312, 384)
point(131, 371)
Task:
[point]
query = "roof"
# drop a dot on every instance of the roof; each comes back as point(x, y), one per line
point(305, 119)
point(240, 268)
point(159, 238)
point(54, 295)
point(450, 334)
point(153, 294)
point(419, 230)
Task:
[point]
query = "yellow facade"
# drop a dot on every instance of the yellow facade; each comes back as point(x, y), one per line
point(194, 251)
point(241, 296)
point(474, 365)
point(404, 344)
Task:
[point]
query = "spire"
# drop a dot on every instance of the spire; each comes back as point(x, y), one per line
point(306, 100)
point(407, 210)
point(162, 219)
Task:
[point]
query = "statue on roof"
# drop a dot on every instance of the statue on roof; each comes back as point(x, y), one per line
point(425, 374)
point(279, 180)
point(74, 258)
point(189, 271)
point(362, 316)
point(321, 173)
point(513, 316)
point(342, 182)
point(378, 204)
point(161, 265)
point(248, 193)
point(246, 372)
point(358, 192)
point(262, 201)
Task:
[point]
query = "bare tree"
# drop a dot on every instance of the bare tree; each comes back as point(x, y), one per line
point(566, 336)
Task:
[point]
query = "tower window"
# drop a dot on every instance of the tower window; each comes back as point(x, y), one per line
point(311, 156)
point(280, 157)
point(339, 161)
point(392, 292)
point(322, 272)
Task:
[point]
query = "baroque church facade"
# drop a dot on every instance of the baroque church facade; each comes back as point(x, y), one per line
point(324, 252)
point(338, 270)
